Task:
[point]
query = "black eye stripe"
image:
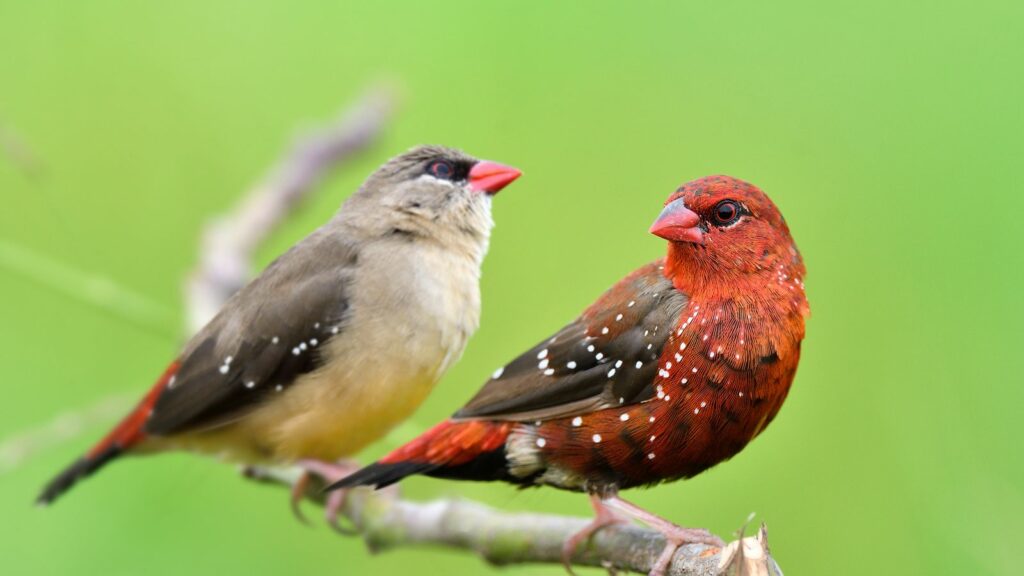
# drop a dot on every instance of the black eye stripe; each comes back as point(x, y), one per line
point(454, 171)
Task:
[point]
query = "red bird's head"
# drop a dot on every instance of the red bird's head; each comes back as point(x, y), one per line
point(722, 232)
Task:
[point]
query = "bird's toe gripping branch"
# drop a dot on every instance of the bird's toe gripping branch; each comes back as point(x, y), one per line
point(327, 473)
point(675, 536)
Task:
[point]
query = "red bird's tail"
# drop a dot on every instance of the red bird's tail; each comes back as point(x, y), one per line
point(126, 434)
point(469, 450)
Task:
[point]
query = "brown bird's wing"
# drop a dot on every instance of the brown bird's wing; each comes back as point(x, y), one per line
point(606, 357)
point(265, 337)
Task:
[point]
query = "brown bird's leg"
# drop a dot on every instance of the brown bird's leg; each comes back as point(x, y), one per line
point(298, 494)
point(330, 472)
point(603, 516)
point(675, 535)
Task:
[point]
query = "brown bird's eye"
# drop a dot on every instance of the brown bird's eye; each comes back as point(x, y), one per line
point(440, 169)
point(726, 212)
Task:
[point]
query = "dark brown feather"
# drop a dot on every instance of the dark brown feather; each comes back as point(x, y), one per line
point(261, 328)
point(591, 363)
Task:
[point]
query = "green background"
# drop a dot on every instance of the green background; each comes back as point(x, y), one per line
point(889, 133)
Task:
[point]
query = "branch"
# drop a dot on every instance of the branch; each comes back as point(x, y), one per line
point(229, 242)
point(19, 447)
point(501, 538)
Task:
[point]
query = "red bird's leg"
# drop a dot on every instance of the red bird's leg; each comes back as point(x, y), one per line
point(675, 536)
point(603, 516)
point(330, 472)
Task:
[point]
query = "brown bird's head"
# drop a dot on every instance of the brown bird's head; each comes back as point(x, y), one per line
point(430, 192)
point(722, 232)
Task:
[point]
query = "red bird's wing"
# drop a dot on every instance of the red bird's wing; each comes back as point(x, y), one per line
point(607, 357)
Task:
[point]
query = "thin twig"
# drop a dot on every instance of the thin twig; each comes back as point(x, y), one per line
point(97, 291)
point(14, 450)
point(226, 252)
point(501, 538)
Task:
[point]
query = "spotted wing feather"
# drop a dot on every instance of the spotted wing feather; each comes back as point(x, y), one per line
point(267, 336)
point(605, 358)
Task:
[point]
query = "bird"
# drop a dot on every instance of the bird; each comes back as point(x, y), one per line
point(671, 371)
point(337, 340)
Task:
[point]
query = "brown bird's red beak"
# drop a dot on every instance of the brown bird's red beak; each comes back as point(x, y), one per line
point(678, 223)
point(490, 177)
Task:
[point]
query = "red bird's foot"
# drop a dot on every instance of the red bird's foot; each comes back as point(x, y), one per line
point(603, 516)
point(330, 473)
point(675, 536)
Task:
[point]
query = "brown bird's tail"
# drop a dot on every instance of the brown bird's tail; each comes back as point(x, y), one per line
point(126, 434)
point(468, 450)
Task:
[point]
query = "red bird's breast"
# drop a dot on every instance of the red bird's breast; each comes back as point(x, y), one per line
point(722, 375)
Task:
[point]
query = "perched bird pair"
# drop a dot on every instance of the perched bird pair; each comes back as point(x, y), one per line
point(673, 370)
point(339, 339)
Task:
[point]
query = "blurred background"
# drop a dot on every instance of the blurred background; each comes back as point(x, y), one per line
point(890, 134)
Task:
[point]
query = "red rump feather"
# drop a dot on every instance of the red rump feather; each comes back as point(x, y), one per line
point(450, 447)
point(129, 432)
point(452, 443)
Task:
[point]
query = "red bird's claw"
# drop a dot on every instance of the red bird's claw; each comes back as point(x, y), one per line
point(332, 510)
point(603, 517)
point(677, 536)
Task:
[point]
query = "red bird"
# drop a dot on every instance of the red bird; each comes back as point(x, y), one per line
point(673, 370)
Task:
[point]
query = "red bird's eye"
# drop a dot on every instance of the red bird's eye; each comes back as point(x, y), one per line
point(440, 169)
point(726, 212)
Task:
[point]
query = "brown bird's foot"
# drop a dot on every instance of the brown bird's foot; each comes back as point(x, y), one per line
point(298, 495)
point(329, 473)
point(603, 516)
point(675, 535)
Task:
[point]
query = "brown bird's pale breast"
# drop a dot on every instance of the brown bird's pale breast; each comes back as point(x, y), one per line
point(408, 325)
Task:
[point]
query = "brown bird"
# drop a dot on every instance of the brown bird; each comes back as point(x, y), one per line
point(339, 339)
point(673, 370)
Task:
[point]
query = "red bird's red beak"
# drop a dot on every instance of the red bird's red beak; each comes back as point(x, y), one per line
point(678, 224)
point(490, 177)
